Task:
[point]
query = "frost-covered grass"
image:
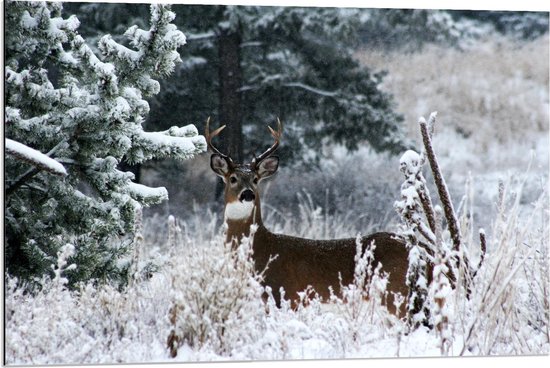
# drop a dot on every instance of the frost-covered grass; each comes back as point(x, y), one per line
point(494, 91)
point(207, 296)
point(492, 99)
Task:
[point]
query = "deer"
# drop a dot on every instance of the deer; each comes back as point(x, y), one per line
point(292, 263)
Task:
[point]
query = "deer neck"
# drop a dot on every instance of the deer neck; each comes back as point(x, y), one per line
point(239, 217)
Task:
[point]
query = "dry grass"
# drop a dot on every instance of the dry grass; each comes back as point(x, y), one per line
point(493, 92)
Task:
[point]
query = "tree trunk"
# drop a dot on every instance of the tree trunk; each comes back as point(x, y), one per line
point(230, 76)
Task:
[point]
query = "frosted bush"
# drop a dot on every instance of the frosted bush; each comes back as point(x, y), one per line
point(90, 324)
point(509, 309)
point(363, 303)
point(32, 335)
point(217, 297)
point(208, 301)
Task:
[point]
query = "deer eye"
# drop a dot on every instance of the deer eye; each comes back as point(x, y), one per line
point(255, 180)
point(232, 179)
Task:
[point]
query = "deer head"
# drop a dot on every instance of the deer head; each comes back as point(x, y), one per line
point(241, 196)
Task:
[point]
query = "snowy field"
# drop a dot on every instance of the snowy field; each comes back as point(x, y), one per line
point(492, 127)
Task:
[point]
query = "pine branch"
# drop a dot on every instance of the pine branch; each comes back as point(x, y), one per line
point(312, 89)
point(34, 157)
point(21, 181)
point(40, 161)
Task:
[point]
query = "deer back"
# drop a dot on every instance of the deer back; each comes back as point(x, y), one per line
point(326, 264)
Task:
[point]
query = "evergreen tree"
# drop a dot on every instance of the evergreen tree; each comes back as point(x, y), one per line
point(525, 25)
point(293, 63)
point(71, 117)
point(411, 29)
point(245, 66)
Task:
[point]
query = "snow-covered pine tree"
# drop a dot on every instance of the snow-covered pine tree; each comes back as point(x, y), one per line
point(297, 64)
point(68, 107)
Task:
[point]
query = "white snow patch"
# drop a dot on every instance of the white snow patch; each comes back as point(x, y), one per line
point(27, 21)
point(410, 157)
point(143, 191)
point(34, 157)
point(186, 144)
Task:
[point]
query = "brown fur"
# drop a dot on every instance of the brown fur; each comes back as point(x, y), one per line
point(300, 262)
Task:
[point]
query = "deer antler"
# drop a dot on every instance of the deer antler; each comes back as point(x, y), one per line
point(209, 135)
point(277, 136)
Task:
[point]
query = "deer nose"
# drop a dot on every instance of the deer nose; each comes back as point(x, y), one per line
point(247, 195)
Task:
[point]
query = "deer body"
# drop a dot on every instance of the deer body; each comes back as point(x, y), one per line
point(298, 262)
point(321, 263)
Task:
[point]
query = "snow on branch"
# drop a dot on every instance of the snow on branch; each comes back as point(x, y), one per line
point(93, 115)
point(179, 142)
point(413, 193)
point(449, 263)
point(143, 193)
point(110, 47)
point(104, 71)
point(201, 36)
point(164, 142)
point(311, 89)
point(155, 51)
point(34, 157)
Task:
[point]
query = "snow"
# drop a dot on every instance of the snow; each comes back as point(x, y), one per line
point(27, 21)
point(56, 29)
point(121, 110)
point(72, 23)
point(34, 157)
point(200, 36)
point(148, 85)
point(192, 62)
point(410, 196)
point(141, 191)
point(68, 58)
point(410, 160)
point(312, 89)
point(111, 47)
point(176, 37)
point(189, 130)
point(139, 36)
point(164, 142)
point(104, 69)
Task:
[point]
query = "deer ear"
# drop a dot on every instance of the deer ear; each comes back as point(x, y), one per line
point(268, 167)
point(219, 165)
